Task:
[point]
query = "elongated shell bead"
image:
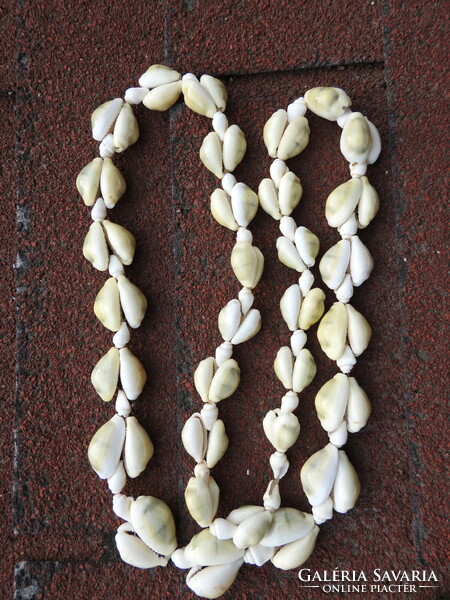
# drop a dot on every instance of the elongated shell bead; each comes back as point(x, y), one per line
point(153, 522)
point(193, 436)
point(248, 328)
point(288, 525)
point(289, 256)
point(112, 183)
point(88, 181)
point(327, 102)
point(238, 515)
point(247, 262)
point(217, 444)
point(103, 117)
point(289, 193)
point(304, 370)
point(138, 448)
point(295, 139)
point(126, 129)
point(244, 203)
point(197, 98)
point(203, 376)
point(332, 331)
point(220, 125)
point(135, 95)
point(234, 147)
point(205, 550)
point(216, 90)
point(107, 305)
point(290, 306)
point(133, 551)
point(359, 330)
point(268, 198)
point(212, 582)
point(368, 205)
point(252, 530)
point(132, 300)
point(202, 500)
point(318, 474)
point(121, 241)
point(273, 131)
point(307, 245)
point(346, 485)
point(106, 446)
point(95, 249)
point(158, 75)
point(295, 554)
point(162, 97)
point(356, 139)
point(361, 261)
point(117, 481)
point(221, 210)
point(132, 374)
point(281, 429)
point(225, 381)
point(105, 375)
point(211, 154)
point(334, 263)
point(312, 308)
point(342, 202)
point(331, 401)
point(358, 407)
point(284, 366)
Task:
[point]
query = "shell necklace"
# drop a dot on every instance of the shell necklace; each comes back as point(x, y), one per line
point(121, 447)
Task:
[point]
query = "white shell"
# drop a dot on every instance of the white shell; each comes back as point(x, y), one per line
point(197, 98)
point(134, 552)
point(212, 582)
point(138, 448)
point(203, 376)
point(98, 212)
point(288, 525)
point(298, 340)
point(361, 262)
point(349, 227)
point(135, 95)
point(268, 198)
point(347, 360)
point(133, 302)
point(158, 75)
point(359, 330)
point(339, 436)
point(222, 529)
point(277, 170)
point(332, 331)
point(346, 485)
point(162, 97)
point(88, 181)
point(238, 515)
point(296, 109)
point(122, 337)
point(244, 235)
point(112, 183)
point(289, 193)
point(331, 402)
point(247, 262)
point(345, 291)
point(202, 500)
point(327, 102)
point(318, 474)
point(179, 559)
point(342, 202)
point(211, 154)
point(358, 407)
point(223, 352)
point(121, 506)
point(95, 249)
point(103, 117)
point(249, 327)
point(217, 91)
point(288, 227)
point(220, 124)
point(194, 437)
point(234, 147)
point(279, 464)
point(281, 429)
point(272, 498)
point(209, 414)
point(356, 139)
point(284, 366)
point(116, 482)
point(273, 131)
point(132, 374)
point(334, 263)
point(229, 319)
point(304, 370)
point(294, 139)
point(225, 381)
point(115, 267)
point(376, 143)
point(123, 407)
point(121, 241)
point(206, 550)
point(252, 529)
point(258, 555)
point(290, 306)
point(368, 204)
point(153, 522)
point(289, 402)
point(307, 244)
point(288, 255)
point(294, 554)
point(244, 203)
point(106, 147)
point(217, 444)
point(323, 512)
point(246, 299)
point(305, 282)
point(105, 375)
point(228, 182)
point(221, 210)
point(126, 129)
point(106, 446)
point(312, 308)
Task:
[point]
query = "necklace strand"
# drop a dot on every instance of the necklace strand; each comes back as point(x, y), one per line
point(252, 534)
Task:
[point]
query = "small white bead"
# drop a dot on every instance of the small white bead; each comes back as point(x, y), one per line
point(220, 124)
point(123, 406)
point(223, 352)
point(187, 76)
point(201, 471)
point(122, 336)
point(298, 340)
point(115, 267)
point(289, 402)
point(272, 498)
point(277, 169)
point(228, 183)
point(121, 506)
point(358, 169)
point(246, 299)
point(323, 512)
point(244, 235)
point(349, 227)
point(117, 481)
point(209, 414)
point(279, 464)
point(340, 435)
point(296, 109)
point(347, 361)
point(305, 282)
point(288, 227)
point(135, 95)
point(343, 118)
point(98, 212)
point(106, 148)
